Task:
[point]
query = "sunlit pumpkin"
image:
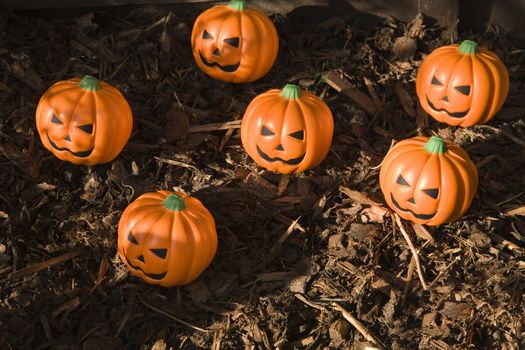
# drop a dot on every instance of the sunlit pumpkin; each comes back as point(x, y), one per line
point(288, 130)
point(167, 238)
point(234, 43)
point(84, 121)
point(428, 180)
point(462, 84)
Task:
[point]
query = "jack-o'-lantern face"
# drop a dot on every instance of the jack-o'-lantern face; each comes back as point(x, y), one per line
point(234, 43)
point(73, 133)
point(428, 181)
point(462, 84)
point(84, 121)
point(222, 50)
point(141, 256)
point(420, 202)
point(270, 143)
point(167, 238)
point(287, 131)
point(447, 98)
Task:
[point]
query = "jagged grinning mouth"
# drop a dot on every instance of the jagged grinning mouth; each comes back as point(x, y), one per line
point(228, 69)
point(293, 161)
point(453, 115)
point(417, 216)
point(82, 154)
point(155, 276)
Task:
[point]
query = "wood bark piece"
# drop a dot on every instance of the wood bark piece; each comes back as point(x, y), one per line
point(405, 99)
point(29, 270)
point(337, 82)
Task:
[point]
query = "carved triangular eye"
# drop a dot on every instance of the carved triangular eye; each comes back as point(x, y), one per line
point(402, 181)
point(464, 89)
point(132, 238)
point(435, 81)
point(432, 192)
point(299, 135)
point(55, 120)
point(232, 41)
point(88, 128)
point(266, 132)
point(206, 35)
point(161, 253)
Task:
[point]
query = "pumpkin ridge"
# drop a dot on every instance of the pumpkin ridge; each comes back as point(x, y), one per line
point(188, 231)
point(200, 229)
point(461, 193)
point(491, 86)
point(500, 91)
point(114, 145)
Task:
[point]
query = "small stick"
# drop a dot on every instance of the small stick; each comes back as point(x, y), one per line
point(441, 273)
point(408, 281)
point(43, 265)
point(277, 247)
point(175, 318)
point(359, 326)
point(234, 124)
point(309, 303)
point(414, 252)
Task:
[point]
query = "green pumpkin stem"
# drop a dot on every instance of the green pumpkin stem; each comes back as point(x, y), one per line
point(89, 83)
point(436, 145)
point(174, 202)
point(291, 91)
point(468, 47)
point(239, 5)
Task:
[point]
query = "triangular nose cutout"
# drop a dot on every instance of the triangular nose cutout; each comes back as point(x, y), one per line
point(280, 148)
point(216, 52)
point(141, 259)
point(445, 98)
point(67, 138)
point(411, 200)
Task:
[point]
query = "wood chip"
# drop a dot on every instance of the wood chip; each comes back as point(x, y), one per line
point(421, 231)
point(358, 197)
point(334, 80)
point(518, 210)
point(405, 99)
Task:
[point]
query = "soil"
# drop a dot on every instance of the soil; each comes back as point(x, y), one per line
point(300, 257)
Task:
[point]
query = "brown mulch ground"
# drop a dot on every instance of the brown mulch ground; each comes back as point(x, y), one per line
point(272, 284)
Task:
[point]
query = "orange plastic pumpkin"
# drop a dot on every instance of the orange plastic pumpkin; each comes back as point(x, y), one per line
point(428, 180)
point(84, 121)
point(288, 130)
point(234, 43)
point(167, 238)
point(462, 84)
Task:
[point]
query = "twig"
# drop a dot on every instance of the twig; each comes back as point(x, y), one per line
point(441, 273)
point(408, 281)
point(277, 247)
point(43, 265)
point(175, 318)
point(359, 326)
point(234, 124)
point(309, 303)
point(414, 252)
